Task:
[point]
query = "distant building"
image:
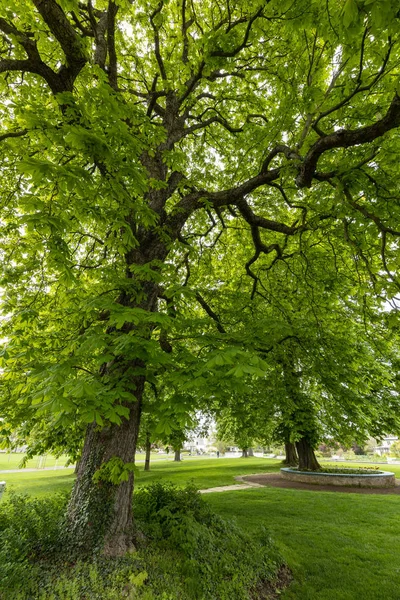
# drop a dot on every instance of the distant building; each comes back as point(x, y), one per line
point(196, 445)
point(384, 447)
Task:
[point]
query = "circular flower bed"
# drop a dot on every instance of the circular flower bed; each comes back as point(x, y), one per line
point(368, 478)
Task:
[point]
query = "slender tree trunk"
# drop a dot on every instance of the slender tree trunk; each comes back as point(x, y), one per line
point(250, 452)
point(244, 453)
point(307, 459)
point(291, 459)
point(177, 455)
point(100, 513)
point(148, 448)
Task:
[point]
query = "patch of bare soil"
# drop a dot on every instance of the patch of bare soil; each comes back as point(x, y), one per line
point(271, 590)
point(275, 480)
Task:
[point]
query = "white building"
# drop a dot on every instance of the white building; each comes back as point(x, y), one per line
point(386, 442)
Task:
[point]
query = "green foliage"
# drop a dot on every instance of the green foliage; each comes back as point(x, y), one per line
point(395, 449)
point(253, 156)
point(29, 531)
point(187, 552)
point(114, 471)
point(219, 559)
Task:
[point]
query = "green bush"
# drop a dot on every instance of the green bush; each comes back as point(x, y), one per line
point(184, 552)
point(216, 558)
point(29, 528)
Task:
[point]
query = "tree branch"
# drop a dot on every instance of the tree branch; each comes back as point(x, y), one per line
point(345, 139)
point(207, 308)
point(13, 134)
point(70, 42)
point(112, 54)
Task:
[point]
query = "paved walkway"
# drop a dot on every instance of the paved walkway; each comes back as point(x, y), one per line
point(244, 485)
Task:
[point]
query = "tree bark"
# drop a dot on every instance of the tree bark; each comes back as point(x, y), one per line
point(148, 449)
point(99, 514)
point(177, 457)
point(244, 453)
point(291, 459)
point(307, 459)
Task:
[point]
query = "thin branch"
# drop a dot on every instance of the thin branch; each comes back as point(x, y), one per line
point(207, 308)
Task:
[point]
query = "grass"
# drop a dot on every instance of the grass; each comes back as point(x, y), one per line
point(13, 460)
point(203, 472)
point(339, 546)
point(39, 483)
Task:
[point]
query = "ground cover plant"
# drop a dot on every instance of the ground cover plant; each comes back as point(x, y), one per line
point(184, 551)
point(344, 470)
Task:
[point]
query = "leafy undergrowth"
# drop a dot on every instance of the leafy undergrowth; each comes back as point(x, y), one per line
point(344, 470)
point(185, 552)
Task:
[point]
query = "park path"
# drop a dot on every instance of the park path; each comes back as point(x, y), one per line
point(245, 485)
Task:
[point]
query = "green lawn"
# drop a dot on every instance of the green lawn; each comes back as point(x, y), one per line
point(203, 472)
point(339, 546)
point(13, 460)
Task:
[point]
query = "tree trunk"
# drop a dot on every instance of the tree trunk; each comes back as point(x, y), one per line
point(307, 458)
point(250, 452)
point(148, 448)
point(291, 459)
point(99, 513)
point(177, 455)
point(244, 453)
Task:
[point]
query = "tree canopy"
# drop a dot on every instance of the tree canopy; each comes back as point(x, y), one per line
point(139, 139)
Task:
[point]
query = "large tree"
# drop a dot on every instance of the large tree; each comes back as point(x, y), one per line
point(129, 129)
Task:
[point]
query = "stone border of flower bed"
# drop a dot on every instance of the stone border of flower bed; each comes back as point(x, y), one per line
point(379, 479)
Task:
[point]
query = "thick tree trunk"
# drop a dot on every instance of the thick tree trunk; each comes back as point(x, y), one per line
point(148, 449)
point(99, 514)
point(244, 453)
point(177, 455)
point(291, 459)
point(307, 458)
point(250, 452)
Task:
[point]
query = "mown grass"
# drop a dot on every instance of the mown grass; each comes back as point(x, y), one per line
point(203, 472)
point(13, 460)
point(339, 546)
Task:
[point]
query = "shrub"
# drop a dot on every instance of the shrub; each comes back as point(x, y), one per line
point(29, 528)
point(216, 558)
point(184, 551)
